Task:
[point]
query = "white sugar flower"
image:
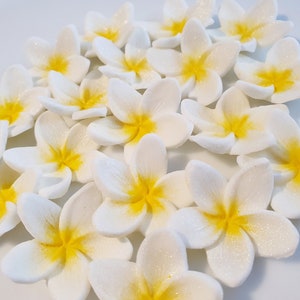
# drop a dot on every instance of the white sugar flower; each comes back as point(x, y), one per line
point(258, 25)
point(64, 243)
point(231, 220)
point(130, 65)
point(277, 79)
point(79, 102)
point(63, 57)
point(135, 115)
point(176, 13)
point(160, 273)
point(19, 103)
point(232, 127)
point(139, 196)
point(115, 29)
point(200, 64)
point(12, 186)
point(63, 154)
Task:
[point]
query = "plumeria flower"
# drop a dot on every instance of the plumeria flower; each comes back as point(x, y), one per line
point(231, 221)
point(258, 25)
point(284, 157)
point(116, 29)
point(135, 115)
point(130, 65)
point(19, 103)
point(140, 195)
point(64, 242)
point(176, 13)
point(160, 272)
point(63, 155)
point(88, 100)
point(63, 57)
point(200, 64)
point(277, 79)
point(233, 127)
point(12, 186)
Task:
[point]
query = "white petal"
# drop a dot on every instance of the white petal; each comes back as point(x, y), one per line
point(108, 131)
point(89, 113)
point(165, 61)
point(139, 38)
point(78, 66)
point(246, 68)
point(150, 159)
point(40, 217)
point(195, 40)
point(175, 187)
point(72, 282)
point(273, 234)
point(161, 255)
point(117, 219)
point(27, 263)
point(3, 136)
point(174, 9)
point(173, 129)
point(251, 187)
point(68, 41)
point(27, 182)
point(230, 11)
point(231, 259)
point(10, 219)
point(206, 184)
point(255, 91)
point(263, 12)
point(292, 94)
point(194, 228)
point(60, 109)
point(118, 72)
point(38, 51)
point(167, 42)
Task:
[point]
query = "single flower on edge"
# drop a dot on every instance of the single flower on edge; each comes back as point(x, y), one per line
point(277, 79)
point(160, 273)
point(199, 65)
point(140, 195)
point(63, 155)
point(64, 243)
point(231, 220)
point(88, 100)
point(135, 115)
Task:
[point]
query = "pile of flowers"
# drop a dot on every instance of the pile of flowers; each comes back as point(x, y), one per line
point(107, 107)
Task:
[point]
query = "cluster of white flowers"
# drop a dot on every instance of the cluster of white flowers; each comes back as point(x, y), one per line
point(107, 107)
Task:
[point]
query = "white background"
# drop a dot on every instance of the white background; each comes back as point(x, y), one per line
point(21, 19)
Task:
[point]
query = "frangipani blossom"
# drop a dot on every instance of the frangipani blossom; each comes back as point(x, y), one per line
point(200, 64)
point(139, 196)
point(63, 155)
point(116, 29)
point(88, 100)
point(176, 13)
point(233, 127)
point(64, 242)
point(284, 158)
point(231, 220)
point(19, 103)
point(258, 25)
point(12, 186)
point(63, 57)
point(160, 273)
point(130, 65)
point(135, 115)
point(277, 79)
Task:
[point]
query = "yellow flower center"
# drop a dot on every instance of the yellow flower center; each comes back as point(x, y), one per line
point(174, 27)
point(6, 194)
point(65, 157)
point(57, 63)
point(239, 125)
point(244, 30)
point(109, 33)
point(228, 220)
point(134, 65)
point(139, 126)
point(11, 110)
point(194, 67)
point(281, 79)
point(145, 193)
point(89, 99)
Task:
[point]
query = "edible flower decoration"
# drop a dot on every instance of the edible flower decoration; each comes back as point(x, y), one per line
point(139, 196)
point(161, 277)
point(231, 221)
point(64, 242)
